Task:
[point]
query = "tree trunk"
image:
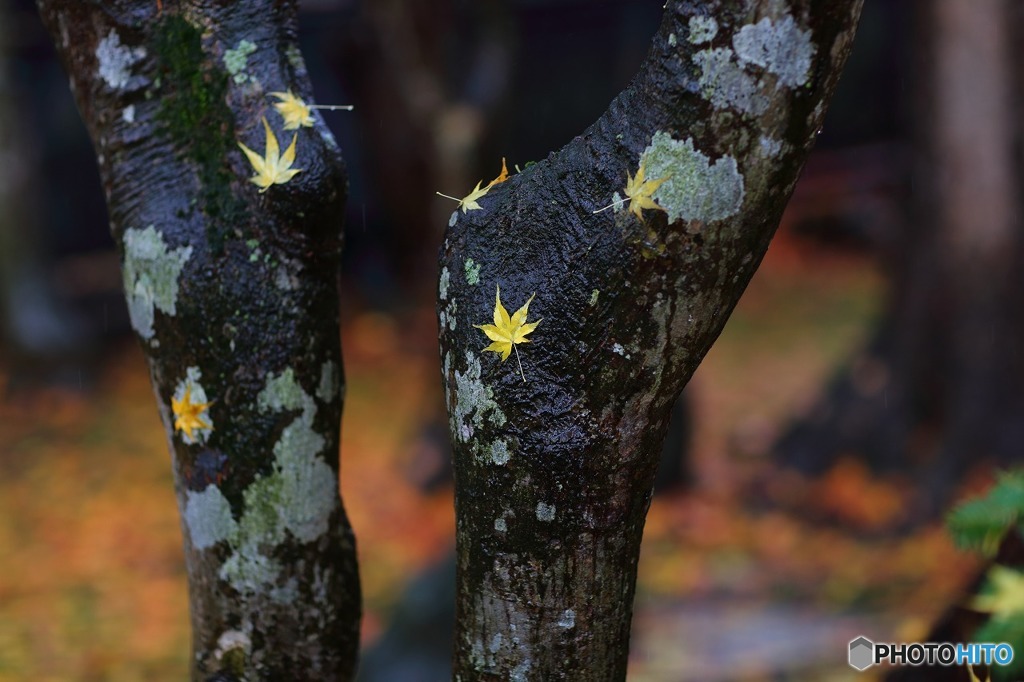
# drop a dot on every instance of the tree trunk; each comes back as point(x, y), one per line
point(554, 472)
point(938, 389)
point(233, 293)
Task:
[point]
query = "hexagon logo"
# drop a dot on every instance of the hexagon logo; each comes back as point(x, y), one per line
point(862, 653)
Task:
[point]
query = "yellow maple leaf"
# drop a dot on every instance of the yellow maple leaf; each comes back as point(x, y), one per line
point(188, 415)
point(273, 168)
point(295, 112)
point(640, 191)
point(469, 202)
point(508, 331)
point(1006, 594)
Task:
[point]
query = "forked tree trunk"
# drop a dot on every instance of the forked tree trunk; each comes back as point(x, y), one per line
point(233, 295)
point(554, 473)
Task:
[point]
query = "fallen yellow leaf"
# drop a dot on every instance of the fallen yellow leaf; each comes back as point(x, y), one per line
point(508, 331)
point(188, 415)
point(640, 191)
point(469, 202)
point(273, 168)
point(295, 112)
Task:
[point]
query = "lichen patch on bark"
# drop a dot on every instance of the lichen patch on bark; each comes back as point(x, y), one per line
point(781, 47)
point(472, 272)
point(474, 402)
point(500, 453)
point(702, 29)
point(330, 382)
point(726, 84)
point(297, 497)
point(115, 61)
point(442, 286)
point(696, 189)
point(237, 60)
point(734, 77)
point(151, 271)
point(208, 517)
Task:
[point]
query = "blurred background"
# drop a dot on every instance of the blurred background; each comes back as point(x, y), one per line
point(868, 378)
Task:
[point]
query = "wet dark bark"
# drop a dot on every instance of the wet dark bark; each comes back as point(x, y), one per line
point(554, 474)
point(938, 389)
point(233, 295)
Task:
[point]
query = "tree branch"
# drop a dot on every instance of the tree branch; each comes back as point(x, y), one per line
point(553, 477)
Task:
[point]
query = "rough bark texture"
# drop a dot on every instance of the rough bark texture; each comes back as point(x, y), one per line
point(554, 474)
point(233, 294)
point(938, 389)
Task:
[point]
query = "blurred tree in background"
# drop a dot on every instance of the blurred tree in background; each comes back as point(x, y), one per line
point(938, 389)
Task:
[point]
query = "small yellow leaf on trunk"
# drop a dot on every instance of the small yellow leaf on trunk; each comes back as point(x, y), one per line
point(273, 168)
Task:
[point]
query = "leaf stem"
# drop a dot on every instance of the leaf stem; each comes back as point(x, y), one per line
point(614, 204)
point(516, 349)
point(333, 107)
point(448, 196)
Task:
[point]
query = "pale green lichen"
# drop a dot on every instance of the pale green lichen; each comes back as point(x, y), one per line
point(702, 29)
point(115, 61)
point(781, 47)
point(237, 60)
point(208, 517)
point(283, 392)
point(725, 84)
point(150, 275)
point(521, 673)
point(297, 497)
point(545, 512)
point(672, 39)
point(500, 453)
point(330, 382)
point(695, 189)
point(593, 297)
point(770, 147)
point(472, 271)
point(618, 203)
point(567, 619)
point(500, 525)
point(443, 282)
point(197, 394)
point(446, 318)
point(309, 489)
point(474, 401)
point(294, 56)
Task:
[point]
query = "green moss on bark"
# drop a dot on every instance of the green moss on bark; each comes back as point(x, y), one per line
point(195, 115)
